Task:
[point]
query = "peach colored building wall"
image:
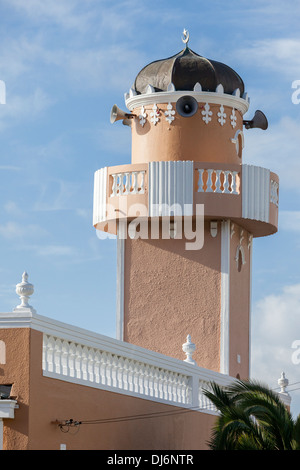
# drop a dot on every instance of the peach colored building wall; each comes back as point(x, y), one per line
point(171, 292)
point(16, 371)
point(186, 138)
point(43, 400)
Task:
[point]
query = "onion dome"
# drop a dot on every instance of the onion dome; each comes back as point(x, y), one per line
point(184, 70)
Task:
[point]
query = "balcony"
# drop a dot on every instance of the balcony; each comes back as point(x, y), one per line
point(246, 194)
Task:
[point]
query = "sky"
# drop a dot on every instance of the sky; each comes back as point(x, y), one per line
point(65, 64)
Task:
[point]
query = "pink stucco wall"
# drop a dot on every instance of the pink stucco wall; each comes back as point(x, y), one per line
point(171, 292)
point(44, 400)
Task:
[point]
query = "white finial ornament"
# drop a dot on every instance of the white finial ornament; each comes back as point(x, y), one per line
point(24, 289)
point(283, 383)
point(186, 37)
point(189, 348)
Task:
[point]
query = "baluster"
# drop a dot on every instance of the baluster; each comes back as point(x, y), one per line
point(274, 192)
point(125, 375)
point(181, 389)
point(174, 387)
point(50, 354)
point(218, 181)
point(142, 187)
point(136, 378)
point(84, 362)
point(151, 381)
point(186, 395)
point(141, 380)
point(166, 385)
point(156, 383)
point(90, 365)
point(120, 373)
point(135, 187)
point(114, 371)
point(200, 181)
point(71, 359)
point(114, 185)
point(272, 199)
point(120, 187)
point(146, 379)
point(127, 183)
point(97, 362)
point(226, 182)
point(78, 362)
point(108, 371)
point(130, 376)
point(170, 386)
point(160, 388)
point(209, 181)
point(201, 397)
point(65, 358)
point(57, 356)
point(103, 362)
point(177, 389)
point(234, 175)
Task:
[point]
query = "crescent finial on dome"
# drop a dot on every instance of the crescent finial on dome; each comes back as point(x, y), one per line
point(186, 37)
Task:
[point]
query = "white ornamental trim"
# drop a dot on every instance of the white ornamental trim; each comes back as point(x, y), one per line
point(206, 114)
point(233, 118)
point(210, 97)
point(170, 113)
point(154, 115)
point(142, 117)
point(222, 115)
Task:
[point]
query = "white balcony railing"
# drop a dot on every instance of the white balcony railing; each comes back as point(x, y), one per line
point(180, 384)
point(218, 181)
point(87, 358)
point(274, 192)
point(110, 371)
point(129, 182)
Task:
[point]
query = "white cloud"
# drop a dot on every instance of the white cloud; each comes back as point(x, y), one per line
point(13, 209)
point(9, 168)
point(54, 250)
point(62, 13)
point(20, 107)
point(273, 54)
point(275, 326)
point(18, 231)
point(57, 195)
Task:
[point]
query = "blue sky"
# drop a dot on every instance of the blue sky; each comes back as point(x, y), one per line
point(65, 63)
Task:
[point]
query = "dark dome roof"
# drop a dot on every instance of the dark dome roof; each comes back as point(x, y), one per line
point(184, 70)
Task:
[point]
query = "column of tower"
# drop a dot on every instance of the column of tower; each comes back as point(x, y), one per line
point(185, 211)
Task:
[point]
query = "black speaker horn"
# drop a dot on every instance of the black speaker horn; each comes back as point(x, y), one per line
point(187, 106)
point(259, 121)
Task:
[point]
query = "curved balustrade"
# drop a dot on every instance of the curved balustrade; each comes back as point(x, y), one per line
point(246, 194)
point(218, 181)
point(129, 182)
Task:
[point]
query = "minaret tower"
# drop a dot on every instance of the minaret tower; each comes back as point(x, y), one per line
point(185, 212)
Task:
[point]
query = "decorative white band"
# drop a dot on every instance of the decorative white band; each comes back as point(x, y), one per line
point(234, 101)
